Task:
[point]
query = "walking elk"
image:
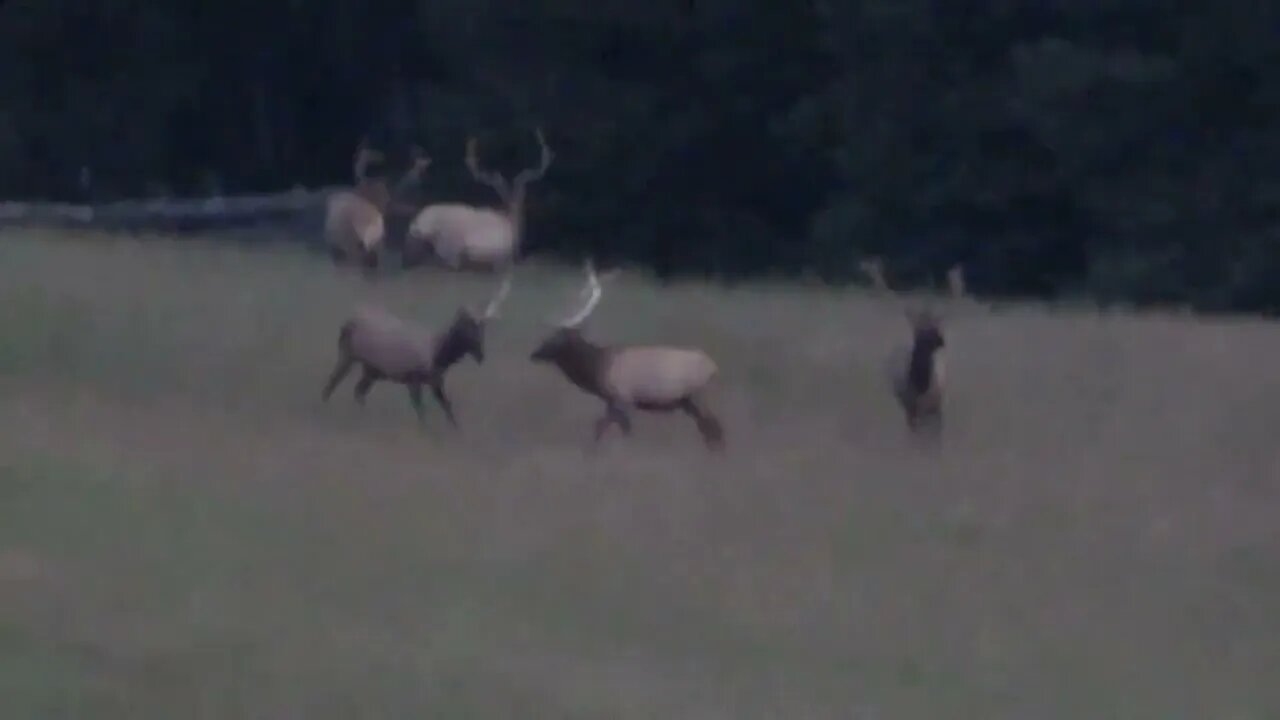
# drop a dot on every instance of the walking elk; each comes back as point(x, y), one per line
point(389, 348)
point(645, 378)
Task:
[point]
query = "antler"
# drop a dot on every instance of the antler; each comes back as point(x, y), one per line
point(492, 179)
point(955, 280)
point(365, 156)
point(419, 161)
point(594, 292)
point(873, 268)
point(491, 311)
point(529, 175)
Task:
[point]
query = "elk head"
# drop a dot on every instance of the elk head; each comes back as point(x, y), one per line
point(512, 193)
point(466, 334)
point(566, 340)
point(419, 161)
point(365, 157)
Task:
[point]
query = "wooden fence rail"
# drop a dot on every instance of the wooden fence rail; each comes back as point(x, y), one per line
point(292, 208)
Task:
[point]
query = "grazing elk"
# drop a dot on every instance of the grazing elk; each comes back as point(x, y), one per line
point(388, 348)
point(462, 235)
point(355, 220)
point(646, 378)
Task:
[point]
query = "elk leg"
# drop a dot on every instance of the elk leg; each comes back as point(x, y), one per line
point(437, 389)
point(415, 399)
point(708, 424)
point(601, 425)
point(366, 382)
point(410, 256)
point(935, 423)
point(612, 414)
point(339, 372)
point(621, 419)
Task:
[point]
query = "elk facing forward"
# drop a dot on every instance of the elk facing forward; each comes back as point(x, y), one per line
point(388, 348)
point(647, 378)
point(461, 235)
point(917, 373)
point(355, 223)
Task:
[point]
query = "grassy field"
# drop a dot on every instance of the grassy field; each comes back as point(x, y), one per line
point(187, 532)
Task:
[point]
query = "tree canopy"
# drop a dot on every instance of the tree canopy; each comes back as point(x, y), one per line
point(1126, 150)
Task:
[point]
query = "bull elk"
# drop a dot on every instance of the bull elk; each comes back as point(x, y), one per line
point(917, 372)
point(355, 219)
point(645, 378)
point(462, 235)
point(389, 348)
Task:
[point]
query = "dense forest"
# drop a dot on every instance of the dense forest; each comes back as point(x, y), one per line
point(1124, 150)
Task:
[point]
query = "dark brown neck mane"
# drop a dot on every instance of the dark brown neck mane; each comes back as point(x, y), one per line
point(582, 361)
point(450, 348)
point(920, 368)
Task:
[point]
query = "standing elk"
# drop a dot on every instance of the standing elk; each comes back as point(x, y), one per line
point(465, 236)
point(917, 372)
point(388, 348)
point(646, 378)
point(355, 219)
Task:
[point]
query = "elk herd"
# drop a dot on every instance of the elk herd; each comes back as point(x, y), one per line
point(625, 378)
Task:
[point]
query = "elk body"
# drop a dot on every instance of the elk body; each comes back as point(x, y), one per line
point(355, 220)
point(389, 348)
point(463, 235)
point(625, 378)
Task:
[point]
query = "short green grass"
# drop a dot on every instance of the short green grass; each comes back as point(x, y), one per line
point(186, 531)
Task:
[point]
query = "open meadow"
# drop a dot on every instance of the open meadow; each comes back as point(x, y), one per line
point(186, 531)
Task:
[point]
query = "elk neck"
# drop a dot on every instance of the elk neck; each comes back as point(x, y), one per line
point(450, 348)
point(582, 362)
point(375, 191)
point(920, 366)
point(515, 209)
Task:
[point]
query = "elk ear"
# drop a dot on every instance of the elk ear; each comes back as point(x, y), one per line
point(921, 318)
point(913, 316)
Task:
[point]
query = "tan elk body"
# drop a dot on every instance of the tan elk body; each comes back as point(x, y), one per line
point(462, 235)
point(391, 349)
point(355, 220)
point(652, 378)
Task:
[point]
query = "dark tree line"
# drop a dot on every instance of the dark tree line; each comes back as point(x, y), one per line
point(1125, 150)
